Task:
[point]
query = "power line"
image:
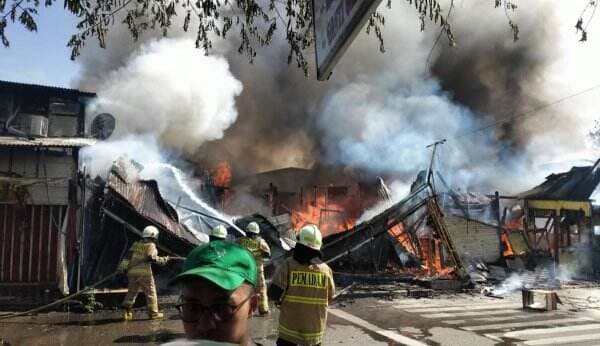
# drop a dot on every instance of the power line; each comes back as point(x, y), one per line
point(528, 113)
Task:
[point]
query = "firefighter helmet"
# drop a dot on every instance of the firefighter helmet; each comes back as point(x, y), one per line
point(253, 228)
point(150, 232)
point(310, 236)
point(219, 231)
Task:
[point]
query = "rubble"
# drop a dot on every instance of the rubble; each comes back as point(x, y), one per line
point(119, 209)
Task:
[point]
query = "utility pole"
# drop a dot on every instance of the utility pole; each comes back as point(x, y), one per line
point(430, 176)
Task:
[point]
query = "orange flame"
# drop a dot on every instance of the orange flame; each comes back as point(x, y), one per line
point(508, 250)
point(222, 174)
point(431, 254)
point(401, 235)
point(330, 217)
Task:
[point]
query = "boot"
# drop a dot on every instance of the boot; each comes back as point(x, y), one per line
point(127, 314)
point(264, 313)
point(156, 315)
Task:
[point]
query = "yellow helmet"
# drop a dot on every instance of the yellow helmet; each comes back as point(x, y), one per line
point(310, 236)
point(219, 232)
point(150, 232)
point(253, 228)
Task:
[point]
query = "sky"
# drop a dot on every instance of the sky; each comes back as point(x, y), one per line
point(42, 57)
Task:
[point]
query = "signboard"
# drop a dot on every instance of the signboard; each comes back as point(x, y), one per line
point(337, 22)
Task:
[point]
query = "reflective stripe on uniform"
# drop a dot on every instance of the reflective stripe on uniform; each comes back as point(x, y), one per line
point(305, 300)
point(294, 334)
point(250, 244)
point(310, 279)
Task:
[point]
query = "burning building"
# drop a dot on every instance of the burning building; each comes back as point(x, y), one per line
point(117, 210)
point(557, 216)
point(331, 198)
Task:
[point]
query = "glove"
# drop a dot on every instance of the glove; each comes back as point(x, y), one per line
point(122, 268)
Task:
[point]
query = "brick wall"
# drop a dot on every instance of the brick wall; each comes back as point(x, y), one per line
point(473, 240)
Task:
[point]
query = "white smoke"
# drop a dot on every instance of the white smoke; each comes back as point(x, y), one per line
point(398, 190)
point(383, 110)
point(167, 97)
point(173, 91)
point(512, 284)
point(377, 113)
point(176, 186)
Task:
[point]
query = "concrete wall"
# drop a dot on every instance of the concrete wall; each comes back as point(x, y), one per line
point(473, 240)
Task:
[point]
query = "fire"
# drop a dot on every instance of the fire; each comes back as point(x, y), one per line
point(330, 217)
point(222, 174)
point(429, 250)
point(400, 234)
point(508, 250)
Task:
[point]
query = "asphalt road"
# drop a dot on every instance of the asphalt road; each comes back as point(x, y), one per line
point(447, 320)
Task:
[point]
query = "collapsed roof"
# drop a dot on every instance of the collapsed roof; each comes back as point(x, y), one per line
point(119, 210)
point(399, 222)
point(145, 198)
point(578, 184)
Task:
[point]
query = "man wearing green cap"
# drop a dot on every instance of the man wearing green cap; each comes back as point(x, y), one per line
point(218, 295)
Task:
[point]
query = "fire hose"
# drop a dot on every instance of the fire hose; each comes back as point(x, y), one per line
point(78, 293)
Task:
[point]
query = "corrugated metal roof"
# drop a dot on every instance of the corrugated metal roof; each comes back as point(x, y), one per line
point(145, 198)
point(10, 85)
point(65, 142)
point(578, 184)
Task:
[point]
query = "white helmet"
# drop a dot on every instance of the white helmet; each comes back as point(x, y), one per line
point(150, 232)
point(219, 232)
point(253, 228)
point(310, 236)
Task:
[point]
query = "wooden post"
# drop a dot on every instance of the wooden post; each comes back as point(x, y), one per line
point(499, 220)
point(557, 236)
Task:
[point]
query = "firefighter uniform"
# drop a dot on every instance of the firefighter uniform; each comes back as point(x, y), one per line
point(308, 290)
point(259, 249)
point(139, 275)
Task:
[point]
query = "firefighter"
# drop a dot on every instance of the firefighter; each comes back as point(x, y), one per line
point(139, 273)
point(219, 232)
point(260, 250)
point(303, 288)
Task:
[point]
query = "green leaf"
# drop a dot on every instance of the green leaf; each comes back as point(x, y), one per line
point(27, 20)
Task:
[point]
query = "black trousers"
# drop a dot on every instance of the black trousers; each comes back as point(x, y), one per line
point(281, 342)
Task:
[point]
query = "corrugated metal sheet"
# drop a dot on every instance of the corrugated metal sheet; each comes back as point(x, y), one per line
point(62, 142)
point(145, 198)
point(578, 184)
point(29, 243)
point(9, 85)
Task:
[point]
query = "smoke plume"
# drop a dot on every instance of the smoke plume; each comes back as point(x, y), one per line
point(377, 113)
point(169, 89)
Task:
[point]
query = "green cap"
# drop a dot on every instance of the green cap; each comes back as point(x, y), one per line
point(223, 263)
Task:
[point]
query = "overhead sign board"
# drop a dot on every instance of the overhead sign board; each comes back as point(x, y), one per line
point(336, 24)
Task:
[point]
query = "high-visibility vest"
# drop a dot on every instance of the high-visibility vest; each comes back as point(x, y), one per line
point(308, 289)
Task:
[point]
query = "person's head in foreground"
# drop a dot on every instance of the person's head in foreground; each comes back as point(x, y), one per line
point(217, 297)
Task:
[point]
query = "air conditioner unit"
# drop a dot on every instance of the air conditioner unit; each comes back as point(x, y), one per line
point(33, 125)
